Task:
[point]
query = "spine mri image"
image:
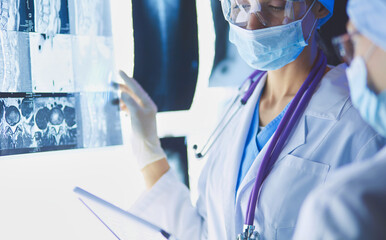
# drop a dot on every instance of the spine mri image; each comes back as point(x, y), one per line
point(56, 68)
point(29, 123)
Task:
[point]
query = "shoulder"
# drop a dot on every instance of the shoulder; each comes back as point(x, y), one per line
point(332, 101)
point(332, 96)
point(339, 124)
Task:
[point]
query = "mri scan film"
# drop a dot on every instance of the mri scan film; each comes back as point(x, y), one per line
point(56, 68)
point(43, 123)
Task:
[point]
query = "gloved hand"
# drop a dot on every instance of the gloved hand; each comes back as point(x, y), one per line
point(145, 143)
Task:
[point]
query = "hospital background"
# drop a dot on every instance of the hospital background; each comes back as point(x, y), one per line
point(58, 59)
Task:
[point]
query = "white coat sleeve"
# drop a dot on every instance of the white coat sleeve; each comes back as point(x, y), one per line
point(324, 217)
point(168, 205)
point(350, 206)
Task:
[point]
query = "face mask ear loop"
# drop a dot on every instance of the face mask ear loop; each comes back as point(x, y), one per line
point(315, 22)
point(312, 30)
point(309, 9)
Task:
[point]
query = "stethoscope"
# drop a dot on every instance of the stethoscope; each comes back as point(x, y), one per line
point(241, 99)
point(291, 117)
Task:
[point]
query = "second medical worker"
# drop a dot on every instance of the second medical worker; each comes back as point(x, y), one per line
point(293, 126)
point(352, 204)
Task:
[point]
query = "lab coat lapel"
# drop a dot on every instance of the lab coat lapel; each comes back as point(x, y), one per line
point(237, 133)
point(252, 172)
point(296, 139)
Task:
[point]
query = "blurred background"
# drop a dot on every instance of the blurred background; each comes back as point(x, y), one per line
point(179, 51)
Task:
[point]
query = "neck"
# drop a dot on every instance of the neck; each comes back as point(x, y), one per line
point(286, 82)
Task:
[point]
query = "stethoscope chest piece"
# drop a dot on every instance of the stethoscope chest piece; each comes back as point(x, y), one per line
point(249, 234)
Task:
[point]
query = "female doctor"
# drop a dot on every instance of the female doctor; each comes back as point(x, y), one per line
point(352, 205)
point(294, 125)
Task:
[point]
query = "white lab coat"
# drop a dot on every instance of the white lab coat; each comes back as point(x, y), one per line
point(328, 135)
point(350, 206)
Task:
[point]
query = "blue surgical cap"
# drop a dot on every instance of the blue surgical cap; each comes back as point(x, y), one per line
point(329, 4)
point(369, 18)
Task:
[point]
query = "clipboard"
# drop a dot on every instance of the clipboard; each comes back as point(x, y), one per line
point(122, 224)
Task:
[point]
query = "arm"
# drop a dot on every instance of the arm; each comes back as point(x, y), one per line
point(167, 202)
point(324, 216)
point(154, 171)
point(168, 205)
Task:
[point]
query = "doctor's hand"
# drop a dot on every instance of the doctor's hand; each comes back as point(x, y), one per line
point(146, 146)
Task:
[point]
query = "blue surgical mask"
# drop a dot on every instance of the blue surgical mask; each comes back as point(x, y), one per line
point(371, 106)
point(270, 48)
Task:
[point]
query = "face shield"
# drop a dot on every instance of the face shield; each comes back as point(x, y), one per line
point(270, 13)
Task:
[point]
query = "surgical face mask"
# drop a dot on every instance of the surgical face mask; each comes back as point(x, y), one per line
point(271, 48)
point(371, 106)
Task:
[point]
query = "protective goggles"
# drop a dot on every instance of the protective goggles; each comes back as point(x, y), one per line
point(344, 46)
point(269, 12)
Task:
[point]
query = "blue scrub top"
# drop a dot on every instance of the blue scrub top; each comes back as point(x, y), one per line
point(256, 140)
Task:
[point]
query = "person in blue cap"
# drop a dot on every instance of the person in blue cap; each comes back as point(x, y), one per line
point(352, 205)
point(294, 126)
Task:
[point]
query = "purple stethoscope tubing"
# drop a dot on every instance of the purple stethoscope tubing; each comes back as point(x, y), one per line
point(251, 89)
point(296, 108)
point(220, 127)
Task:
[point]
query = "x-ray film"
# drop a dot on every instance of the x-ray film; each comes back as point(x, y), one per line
point(47, 122)
point(64, 17)
point(51, 63)
point(52, 17)
point(93, 62)
point(100, 120)
point(90, 17)
point(37, 123)
point(15, 71)
point(56, 66)
point(26, 15)
point(10, 15)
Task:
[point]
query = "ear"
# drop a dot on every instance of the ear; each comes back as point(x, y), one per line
point(319, 10)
